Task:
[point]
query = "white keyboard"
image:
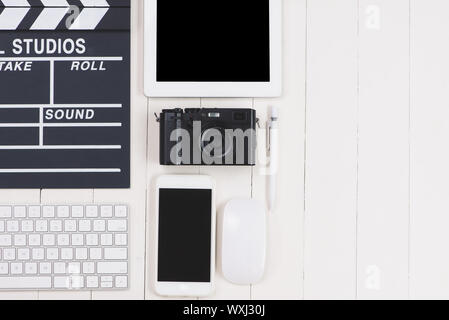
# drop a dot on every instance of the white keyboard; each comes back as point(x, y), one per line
point(64, 247)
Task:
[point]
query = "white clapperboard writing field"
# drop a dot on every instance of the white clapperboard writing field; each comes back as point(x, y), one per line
point(64, 93)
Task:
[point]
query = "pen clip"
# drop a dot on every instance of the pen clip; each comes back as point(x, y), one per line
point(268, 137)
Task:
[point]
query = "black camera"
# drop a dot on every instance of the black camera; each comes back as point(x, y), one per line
point(221, 137)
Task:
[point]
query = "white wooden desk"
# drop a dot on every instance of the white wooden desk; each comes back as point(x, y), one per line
point(364, 179)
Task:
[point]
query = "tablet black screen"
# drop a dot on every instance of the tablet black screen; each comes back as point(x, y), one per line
point(213, 41)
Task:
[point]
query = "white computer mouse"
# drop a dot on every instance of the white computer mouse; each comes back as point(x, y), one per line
point(244, 241)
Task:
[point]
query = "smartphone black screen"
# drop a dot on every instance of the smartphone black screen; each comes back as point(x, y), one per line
point(213, 41)
point(184, 250)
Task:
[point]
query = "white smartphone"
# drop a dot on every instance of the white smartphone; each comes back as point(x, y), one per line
point(185, 236)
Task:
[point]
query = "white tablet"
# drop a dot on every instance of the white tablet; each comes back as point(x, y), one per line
point(204, 48)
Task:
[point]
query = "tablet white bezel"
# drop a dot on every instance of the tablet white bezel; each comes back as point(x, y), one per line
point(154, 88)
point(186, 289)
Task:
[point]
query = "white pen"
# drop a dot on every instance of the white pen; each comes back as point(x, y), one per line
point(273, 149)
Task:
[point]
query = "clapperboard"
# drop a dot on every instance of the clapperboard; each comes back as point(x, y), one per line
point(64, 94)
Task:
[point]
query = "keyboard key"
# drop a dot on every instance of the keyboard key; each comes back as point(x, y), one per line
point(12, 283)
point(121, 282)
point(9, 254)
point(20, 212)
point(56, 225)
point(49, 240)
point(4, 268)
point(20, 240)
point(77, 282)
point(95, 253)
point(92, 282)
point(45, 268)
point(88, 267)
point(106, 284)
point(27, 226)
point(38, 253)
point(115, 253)
point(70, 225)
point(63, 239)
point(106, 279)
point(106, 211)
point(74, 268)
point(5, 240)
point(52, 254)
point(59, 268)
point(81, 253)
point(77, 240)
point(34, 212)
point(106, 239)
point(99, 225)
point(34, 240)
point(66, 253)
point(12, 226)
point(5, 212)
point(91, 211)
point(84, 226)
point(121, 211)
point(77, 212)
point(48, 211)
point(121, 239)
point(41, 226)
point(16, 268)
point(23, 254)
point(117, 225)
point(92, 239)
point(31, 268)
point(61, 282)
point(2, 226)
point(63, 211)
point(112, 267)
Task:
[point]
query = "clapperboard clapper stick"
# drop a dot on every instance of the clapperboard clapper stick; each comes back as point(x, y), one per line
point(65, 102)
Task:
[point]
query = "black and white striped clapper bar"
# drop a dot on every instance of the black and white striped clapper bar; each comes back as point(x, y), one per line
point(65, 93)
point(63, 14)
